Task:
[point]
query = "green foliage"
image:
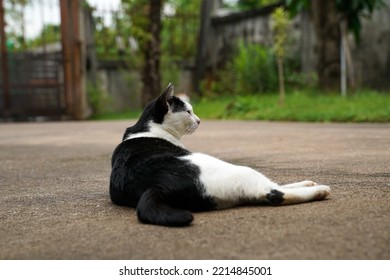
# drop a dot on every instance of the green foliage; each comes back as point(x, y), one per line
point(178, 37)
point(254, 69)
point(14, 16)
point(295, 6)
point(178, 34)
point(307, 106)
point(212, 107)
point(253, 4)
point(50, 33)
point(129, 23)
point(280, 30)
point(98, 98)
point(179, 30)
point(136, 15)
point(104, 39)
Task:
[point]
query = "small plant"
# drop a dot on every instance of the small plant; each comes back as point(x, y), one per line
point(280, 28)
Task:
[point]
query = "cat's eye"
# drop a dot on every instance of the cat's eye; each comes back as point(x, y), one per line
point(189, 112)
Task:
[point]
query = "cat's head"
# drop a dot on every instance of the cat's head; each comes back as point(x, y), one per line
point(166, 113)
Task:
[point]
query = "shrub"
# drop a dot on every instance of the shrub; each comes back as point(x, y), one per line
point(98, 98)
point(254, 69)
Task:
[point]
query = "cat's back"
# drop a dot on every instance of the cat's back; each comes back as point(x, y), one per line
point(144, 148)
point(141, 163)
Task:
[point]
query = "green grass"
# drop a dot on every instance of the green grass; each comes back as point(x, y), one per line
point(364, 106)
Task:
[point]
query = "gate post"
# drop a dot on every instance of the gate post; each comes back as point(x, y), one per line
point(74, 59)
point(4, 61)
point(66, 48)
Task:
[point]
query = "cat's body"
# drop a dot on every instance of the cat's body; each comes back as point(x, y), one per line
point(153, 172)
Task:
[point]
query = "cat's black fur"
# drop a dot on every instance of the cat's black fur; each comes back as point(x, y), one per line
point(148, 174)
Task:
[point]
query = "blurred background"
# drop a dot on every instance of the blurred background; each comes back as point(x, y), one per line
point(296, 60)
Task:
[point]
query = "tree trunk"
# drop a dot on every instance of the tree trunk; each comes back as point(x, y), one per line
point(326, 25)
point(151, 71)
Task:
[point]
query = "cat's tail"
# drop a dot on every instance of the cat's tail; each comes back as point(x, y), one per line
point(152, 209)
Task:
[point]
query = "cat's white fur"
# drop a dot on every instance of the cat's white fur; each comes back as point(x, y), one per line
point(228, 184)
point(233, 185)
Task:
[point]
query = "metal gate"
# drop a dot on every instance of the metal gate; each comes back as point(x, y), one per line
point(35, 85)
point(31, 80)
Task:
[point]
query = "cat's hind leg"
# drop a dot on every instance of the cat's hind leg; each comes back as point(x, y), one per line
point(231, 185)
point(286, 196)
point(300, 184)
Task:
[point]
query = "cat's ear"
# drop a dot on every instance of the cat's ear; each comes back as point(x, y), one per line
point(166, 95)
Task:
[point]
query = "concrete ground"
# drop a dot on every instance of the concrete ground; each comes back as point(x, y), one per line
point(54, 201)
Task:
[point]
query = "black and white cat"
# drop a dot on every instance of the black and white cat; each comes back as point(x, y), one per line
point(154, 173)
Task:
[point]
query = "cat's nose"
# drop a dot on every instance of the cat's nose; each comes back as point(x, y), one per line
point(198, 121)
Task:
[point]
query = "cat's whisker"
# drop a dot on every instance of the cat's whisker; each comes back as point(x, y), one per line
point(191, 129)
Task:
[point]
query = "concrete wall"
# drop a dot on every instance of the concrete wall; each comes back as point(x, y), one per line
point(371, 58)
point(123, 88)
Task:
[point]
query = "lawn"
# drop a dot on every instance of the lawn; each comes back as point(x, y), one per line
point(299, 106)
point(363, 106)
